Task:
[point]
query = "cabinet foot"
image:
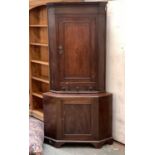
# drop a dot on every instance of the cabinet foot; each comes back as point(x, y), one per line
point(98, 145)
point(110, 141)
point(53, 143)
point(58, 144)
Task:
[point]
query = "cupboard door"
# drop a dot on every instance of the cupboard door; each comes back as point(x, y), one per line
point(76, 47)
point(79, 118)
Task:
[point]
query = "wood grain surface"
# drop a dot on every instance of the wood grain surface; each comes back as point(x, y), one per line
point(35, 3)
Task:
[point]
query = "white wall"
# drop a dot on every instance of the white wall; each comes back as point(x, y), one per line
point(115, 65)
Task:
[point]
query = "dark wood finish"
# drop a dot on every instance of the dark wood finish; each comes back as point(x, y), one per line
point(77, 109)
point(77, 46)
point(71, 114)
point(76, 38)
point(78, 118)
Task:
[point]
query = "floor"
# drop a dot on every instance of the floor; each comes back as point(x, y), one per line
point(115, 149)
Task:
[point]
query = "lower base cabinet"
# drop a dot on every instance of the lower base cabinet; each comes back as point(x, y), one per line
point(78, 118)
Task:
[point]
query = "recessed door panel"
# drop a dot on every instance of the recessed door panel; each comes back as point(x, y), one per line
point(74, 112)
point(78, 118)
point(77, 50)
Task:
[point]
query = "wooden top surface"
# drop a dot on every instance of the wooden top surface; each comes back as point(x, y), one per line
point(76, 3)
point(36, 3)
point(63, 95)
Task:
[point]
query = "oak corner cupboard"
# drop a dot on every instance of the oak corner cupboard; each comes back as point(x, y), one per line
point(77, 109)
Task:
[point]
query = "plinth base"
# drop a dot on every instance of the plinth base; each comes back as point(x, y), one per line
point(96, 144)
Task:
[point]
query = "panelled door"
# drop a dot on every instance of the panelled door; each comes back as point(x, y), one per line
point(76, 45)
point(79, 119)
